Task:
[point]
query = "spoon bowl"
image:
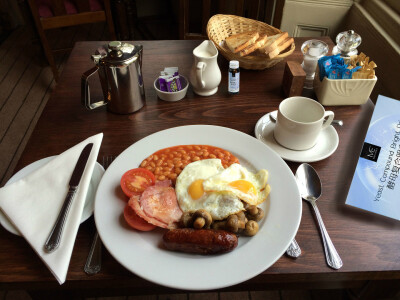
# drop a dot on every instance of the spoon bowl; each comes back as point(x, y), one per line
point(308, 182)
point(310, 189)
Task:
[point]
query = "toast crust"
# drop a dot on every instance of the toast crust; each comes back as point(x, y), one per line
point(286, 43)
point(273, 42)
point(251, 42)
point(240, 41)
point(258, 44)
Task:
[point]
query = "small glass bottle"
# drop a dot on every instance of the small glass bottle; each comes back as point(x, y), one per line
point(233, 77)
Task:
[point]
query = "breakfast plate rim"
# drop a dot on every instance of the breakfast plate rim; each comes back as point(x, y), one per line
point(142, 253)
point(263, 131)
point(88, 209)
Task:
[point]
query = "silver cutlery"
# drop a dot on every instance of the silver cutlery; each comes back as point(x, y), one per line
point(337, 122)
point(93, 261)
point(309, 185)
point(273, 116)
point(294, 249)
point(53, 241)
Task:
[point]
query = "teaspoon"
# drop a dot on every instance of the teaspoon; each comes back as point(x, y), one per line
point(273, 116)
point(309, 185)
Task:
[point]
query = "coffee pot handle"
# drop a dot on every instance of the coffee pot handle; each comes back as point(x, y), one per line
point(199, 73)
point(85, 91)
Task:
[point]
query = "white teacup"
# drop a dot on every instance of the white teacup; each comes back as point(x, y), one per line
point(299, 122)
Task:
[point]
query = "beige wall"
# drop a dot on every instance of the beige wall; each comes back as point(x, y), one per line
point(314, 17)
point(381, 47)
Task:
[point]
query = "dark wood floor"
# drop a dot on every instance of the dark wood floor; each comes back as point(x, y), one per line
point(26, 83)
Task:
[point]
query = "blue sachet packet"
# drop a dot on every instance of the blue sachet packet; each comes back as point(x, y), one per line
point(325, 63)
point(348, 73)
point(321, 62)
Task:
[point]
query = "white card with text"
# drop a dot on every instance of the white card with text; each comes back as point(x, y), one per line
point(376, 183)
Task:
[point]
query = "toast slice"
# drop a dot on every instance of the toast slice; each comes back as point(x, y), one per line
point(238, 42)
point(286, 43)
point(258, 44)
point(273, 42)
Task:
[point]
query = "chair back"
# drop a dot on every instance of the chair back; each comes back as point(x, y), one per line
point(64, 13)
point(50, 14)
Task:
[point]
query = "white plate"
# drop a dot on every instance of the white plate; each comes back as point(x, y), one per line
point(142, 252)
point(327, 143)
point(89, 204)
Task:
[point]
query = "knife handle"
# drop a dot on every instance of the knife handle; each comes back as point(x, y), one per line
point(53, 241)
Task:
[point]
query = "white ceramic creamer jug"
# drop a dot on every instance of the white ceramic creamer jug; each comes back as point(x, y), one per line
point(205, 75)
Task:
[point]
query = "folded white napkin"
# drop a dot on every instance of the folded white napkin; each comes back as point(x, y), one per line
point(33, 203)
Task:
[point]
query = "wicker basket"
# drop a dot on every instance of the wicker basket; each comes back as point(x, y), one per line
point(220, 27)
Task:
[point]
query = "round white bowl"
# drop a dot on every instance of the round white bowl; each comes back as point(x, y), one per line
point(175, 96)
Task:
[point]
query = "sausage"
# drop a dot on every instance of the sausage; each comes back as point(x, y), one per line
point(201, 241)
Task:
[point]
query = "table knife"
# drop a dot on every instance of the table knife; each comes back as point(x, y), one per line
point(53, 241)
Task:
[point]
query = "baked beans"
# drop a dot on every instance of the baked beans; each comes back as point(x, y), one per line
point(168, 163)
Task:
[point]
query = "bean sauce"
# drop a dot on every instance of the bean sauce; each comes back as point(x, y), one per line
point(168, 163)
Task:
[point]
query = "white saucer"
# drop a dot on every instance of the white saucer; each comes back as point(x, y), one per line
point(327, 143)
point(89, 203)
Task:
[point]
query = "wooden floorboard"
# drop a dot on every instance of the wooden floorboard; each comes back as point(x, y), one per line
point(27, 87)
point(10, 51)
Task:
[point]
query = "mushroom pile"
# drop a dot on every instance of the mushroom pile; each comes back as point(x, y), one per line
point(245, 222)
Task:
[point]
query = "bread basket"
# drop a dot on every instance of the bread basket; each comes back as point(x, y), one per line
point(219, 27)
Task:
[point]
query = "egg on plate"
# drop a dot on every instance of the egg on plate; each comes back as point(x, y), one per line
point(192, 196)
point(247, 186)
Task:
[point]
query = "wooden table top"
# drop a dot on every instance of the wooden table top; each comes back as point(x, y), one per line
point(368, 244)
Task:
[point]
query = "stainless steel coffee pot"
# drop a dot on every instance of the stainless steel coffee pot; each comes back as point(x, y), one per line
point(120, 70)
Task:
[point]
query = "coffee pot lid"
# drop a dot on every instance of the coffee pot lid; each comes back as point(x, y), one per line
point(117, 53)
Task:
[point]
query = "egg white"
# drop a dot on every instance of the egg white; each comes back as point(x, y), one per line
point(222, 182)
point(219, 204)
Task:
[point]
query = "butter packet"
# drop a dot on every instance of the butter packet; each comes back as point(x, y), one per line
point(169, 80)
point(173, 84)
point(163, 83)
point(171, 71)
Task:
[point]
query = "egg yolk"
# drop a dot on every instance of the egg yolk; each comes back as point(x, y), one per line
point(195, 190)
point(243, 186)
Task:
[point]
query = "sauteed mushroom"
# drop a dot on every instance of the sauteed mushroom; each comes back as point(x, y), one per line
point(201, 219)
point(251, 228)
point(255, 213)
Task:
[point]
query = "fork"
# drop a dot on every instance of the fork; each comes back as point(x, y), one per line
point(93, 261)
point(294, 249)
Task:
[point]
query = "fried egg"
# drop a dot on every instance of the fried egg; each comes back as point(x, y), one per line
point(192, 196)
point(237, 180)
